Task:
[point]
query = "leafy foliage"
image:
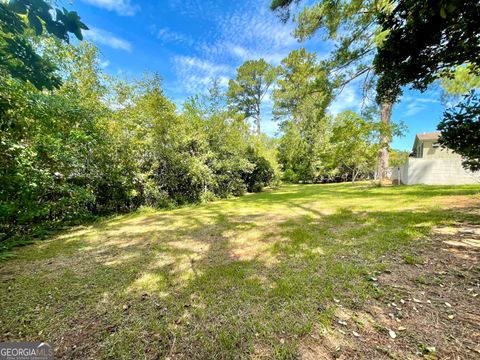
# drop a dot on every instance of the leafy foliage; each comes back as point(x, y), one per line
point(99, 145)
point(398, 157)
point(300, 98)
point(300, 77)
point(460, 130)
point(262, 173)
point(355, 144)
point(352, 27)
point(20, 59)
point(425, 40)
point(461, 81)
point(335, 149)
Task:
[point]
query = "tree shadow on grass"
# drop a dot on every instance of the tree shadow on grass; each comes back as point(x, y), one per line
point(211, 285)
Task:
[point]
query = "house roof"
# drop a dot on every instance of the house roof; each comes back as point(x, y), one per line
point(434, 135)
point(429, 136)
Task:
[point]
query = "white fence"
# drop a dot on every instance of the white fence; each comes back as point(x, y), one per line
point(434, 172)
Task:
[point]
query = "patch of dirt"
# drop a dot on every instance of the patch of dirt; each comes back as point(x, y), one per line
point(429, 310)
point(460, 202)
point(76, 342)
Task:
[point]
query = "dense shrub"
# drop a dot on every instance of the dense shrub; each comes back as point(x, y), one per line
point(93, 148)
point(262, 173)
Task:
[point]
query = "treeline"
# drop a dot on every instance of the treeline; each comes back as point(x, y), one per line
point(76, 143)
point(97, 145)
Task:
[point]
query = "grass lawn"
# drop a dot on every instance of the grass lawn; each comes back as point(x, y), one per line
point(262, 276)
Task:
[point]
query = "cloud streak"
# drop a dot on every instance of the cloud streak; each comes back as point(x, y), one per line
point(121, 7)
point(166, 35)
point(196, 74)
point(106, 38)
point(248, 31)
point(415, 105)
point(348, 99)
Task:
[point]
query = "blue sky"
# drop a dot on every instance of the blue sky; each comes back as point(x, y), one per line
point(189, 42)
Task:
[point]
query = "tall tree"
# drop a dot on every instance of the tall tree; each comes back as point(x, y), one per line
point(300, 76)
point(352, 25)
point(301, 97)
point(245, 93)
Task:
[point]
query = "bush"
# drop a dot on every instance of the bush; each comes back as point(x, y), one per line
point(290, 176)
point(207, 196)
point(261, 175)
point(155, 197)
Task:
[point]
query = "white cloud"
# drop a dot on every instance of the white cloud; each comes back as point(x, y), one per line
point(239, 51)
point(246, 54)
point(420, 100)
point(348, 99)
point(121, 7)
point(108, 39)
point(167, 35)
point(104, 64)
point(195, 8)
point(249, 32)
point(416, 104)
point(414, 108)
point(261, 28)
point(196, 74)
point(188, 62)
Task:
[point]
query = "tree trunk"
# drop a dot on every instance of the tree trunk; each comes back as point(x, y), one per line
point(354, 176)
point(258, 124)
point(385, 138)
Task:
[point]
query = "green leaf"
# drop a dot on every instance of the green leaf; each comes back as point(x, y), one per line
point(443, 13)
point(35, 23)
point(81, 25)
point(17, 7)
point(78, 33)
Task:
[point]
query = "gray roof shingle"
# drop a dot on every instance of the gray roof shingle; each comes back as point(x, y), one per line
point(429, 136)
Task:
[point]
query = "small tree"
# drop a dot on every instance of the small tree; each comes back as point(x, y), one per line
point(354, 143)
point(246, 92)
point(262, 173)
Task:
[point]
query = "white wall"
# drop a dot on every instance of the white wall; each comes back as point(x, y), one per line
point(435, 172)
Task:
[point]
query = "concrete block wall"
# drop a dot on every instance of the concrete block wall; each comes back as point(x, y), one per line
point(434, 172)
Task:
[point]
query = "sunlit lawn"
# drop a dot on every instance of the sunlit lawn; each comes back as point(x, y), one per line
point(246, 277)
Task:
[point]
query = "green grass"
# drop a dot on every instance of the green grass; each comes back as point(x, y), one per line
point(239, 278)
point(412, 259)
